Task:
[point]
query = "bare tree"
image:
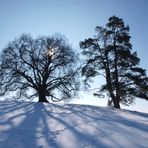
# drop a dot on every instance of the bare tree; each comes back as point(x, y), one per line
point(46, 65)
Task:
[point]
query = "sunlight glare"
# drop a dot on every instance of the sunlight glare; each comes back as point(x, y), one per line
point(50, 52)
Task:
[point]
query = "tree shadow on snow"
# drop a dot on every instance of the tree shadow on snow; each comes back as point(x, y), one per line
point(37, 125)
point(26, 129)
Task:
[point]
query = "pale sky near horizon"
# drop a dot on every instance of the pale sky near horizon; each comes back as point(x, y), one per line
point(76, 19)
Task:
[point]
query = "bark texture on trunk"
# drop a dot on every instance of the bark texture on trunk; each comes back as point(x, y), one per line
point(42, 97)
point(116, 102)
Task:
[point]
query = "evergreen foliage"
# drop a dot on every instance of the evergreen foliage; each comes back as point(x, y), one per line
point(110, 53)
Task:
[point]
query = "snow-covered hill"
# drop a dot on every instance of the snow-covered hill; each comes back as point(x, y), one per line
point(37, 125)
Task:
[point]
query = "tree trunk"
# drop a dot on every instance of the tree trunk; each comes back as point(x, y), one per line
point(109, 86)
point(42, 97)
point(117, 98)
point(117, 105)
point(116, 102)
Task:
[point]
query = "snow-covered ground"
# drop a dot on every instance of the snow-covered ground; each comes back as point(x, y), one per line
point(38, 125)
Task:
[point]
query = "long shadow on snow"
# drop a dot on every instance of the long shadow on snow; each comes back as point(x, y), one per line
point(31, 128)
point(82, 136)
point(34, 125)
point(108, 117)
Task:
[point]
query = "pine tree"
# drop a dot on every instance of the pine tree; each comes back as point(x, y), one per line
point(110, 53)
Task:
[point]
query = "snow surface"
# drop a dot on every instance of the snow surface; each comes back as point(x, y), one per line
point(38, 125)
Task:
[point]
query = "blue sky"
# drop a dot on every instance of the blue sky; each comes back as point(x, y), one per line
point(76, 19)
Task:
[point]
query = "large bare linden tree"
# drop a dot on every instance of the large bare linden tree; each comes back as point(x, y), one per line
point(44, 67)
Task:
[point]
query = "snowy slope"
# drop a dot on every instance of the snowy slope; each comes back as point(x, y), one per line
point(37, 125)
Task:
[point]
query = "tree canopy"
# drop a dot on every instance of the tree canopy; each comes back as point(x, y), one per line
point(110, 54)
point(44, 67)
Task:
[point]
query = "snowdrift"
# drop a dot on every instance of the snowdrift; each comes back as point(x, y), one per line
point(39, 125)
